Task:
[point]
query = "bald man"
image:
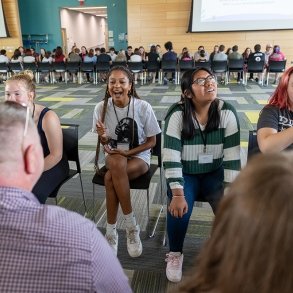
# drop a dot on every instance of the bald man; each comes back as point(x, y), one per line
point(44, 248)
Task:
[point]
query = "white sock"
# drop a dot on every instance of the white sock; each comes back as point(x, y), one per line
point(111, 229)
point(130, 220)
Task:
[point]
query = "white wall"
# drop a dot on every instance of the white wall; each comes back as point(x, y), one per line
point(83, 29)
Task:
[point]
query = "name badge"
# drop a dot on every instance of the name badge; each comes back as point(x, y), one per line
point(205, 158)
point(123, 146)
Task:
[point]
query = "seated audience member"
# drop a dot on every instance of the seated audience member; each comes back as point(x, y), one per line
point(274, 127)
point(83, 53)
point(16, 57)
point(112, 54)
point(202, 56)
point(229, 51)
point(184, 55)
point(59, 57)
point(3, 57)
point(46, 59)
point(142, 53)
point(256, 56)
point(159, 51)
point(74, 56)
point(170, 55)
point(197, 54)
point(216, 50)
point(153, 57)
point(103, 57)
point(121, 57)
point(127, 133)
point(250, 247)
point(201, 153)
point(90, 57)
point(221, 56)
point(28, 56)
point(129, 52)
point(235, 55)
point(42, 54)
point(135, 57)
point(268, 52)
point(97, 51)
point(44, 248)
point(277, 55)
point(20, 88)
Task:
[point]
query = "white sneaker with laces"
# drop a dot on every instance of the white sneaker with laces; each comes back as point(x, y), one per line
point(174, 266)
point(134, 246)
point(113, 241)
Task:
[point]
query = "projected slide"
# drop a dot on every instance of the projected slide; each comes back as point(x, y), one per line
point(3, 33)
point(231, 15)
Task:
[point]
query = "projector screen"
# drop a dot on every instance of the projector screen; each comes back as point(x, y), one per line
point(3, 30)
point(240, 15)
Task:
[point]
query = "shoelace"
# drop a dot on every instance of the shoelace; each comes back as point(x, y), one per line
point(132, 236)
point(174, 260)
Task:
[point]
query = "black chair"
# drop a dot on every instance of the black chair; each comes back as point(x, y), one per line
point(254, 67)
point(137, 67)
point(275, 67)
point(102, 67)
point(142, 182)
point(119, 63)
point(15, 67)
point(198, 64)
point(183, 66)
point(168, 66)
point(235, 65)
point(70, 149)
point(87, 68)
point(45, 67)
point(4, 69)
point(152, 67)
point(252, 144)
point(220, 67)
point(72, 67)
point(59, 67)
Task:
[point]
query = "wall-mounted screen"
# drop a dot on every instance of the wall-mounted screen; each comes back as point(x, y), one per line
point(239, 15)
point(3, 30)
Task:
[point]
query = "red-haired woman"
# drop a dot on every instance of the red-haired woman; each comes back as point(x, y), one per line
point(274, 127)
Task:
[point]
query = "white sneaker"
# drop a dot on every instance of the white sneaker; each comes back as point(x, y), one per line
point(113, 241)
point(174, 266)
point(134, 245)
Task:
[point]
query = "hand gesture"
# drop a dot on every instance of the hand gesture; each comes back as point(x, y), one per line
point(101, 129)
point(178, 206)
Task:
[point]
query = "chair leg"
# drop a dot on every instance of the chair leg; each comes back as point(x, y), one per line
point(94, 216)
point(83, 197)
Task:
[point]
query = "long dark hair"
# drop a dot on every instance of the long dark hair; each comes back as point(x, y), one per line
point(188, 129)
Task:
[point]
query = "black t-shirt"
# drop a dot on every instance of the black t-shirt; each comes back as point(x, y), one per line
point(103, 58)
point(276, 118)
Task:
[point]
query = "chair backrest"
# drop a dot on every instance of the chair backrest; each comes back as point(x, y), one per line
point(152, 66)
point(117, 63)
point(235, 64)
point(168, 65)
point(205, 64)
point(157, 149)
point(4, 67)
point(219, 66)
point(277, 66)
point(29, 66)
point(70, 143)
point(59, 66)
point(44, 67)
point(103, 66)
point(252, 144)
point(87, 66)
point(15, 66)
point(135, 65)
point(72, 66)
point(185, 64)
point(255, 66)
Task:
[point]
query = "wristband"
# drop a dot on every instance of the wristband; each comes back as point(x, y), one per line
point(178, 196)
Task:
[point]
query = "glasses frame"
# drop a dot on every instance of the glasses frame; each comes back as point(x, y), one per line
point(202, 81)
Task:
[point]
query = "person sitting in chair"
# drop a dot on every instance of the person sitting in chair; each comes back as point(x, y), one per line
point(20, 88)
point(127, 127)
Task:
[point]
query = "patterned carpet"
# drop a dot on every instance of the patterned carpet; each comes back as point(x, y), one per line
point(75, 104)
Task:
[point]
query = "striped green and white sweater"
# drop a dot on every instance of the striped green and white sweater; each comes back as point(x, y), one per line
point(181, 156)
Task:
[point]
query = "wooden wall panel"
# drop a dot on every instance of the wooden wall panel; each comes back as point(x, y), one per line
point(159, 21)
point(10, 8)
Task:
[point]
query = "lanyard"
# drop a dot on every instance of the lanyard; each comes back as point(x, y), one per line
point(203, 135)
point(116, 112)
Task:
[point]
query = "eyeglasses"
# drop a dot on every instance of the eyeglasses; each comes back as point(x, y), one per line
point(203, 81)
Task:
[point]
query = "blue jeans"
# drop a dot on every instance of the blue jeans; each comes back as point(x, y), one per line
point(210, 187)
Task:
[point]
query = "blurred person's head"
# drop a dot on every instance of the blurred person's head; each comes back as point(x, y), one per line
point(250, 248)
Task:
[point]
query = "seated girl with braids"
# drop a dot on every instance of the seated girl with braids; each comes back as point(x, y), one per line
point(127, 128)
point(20, 88)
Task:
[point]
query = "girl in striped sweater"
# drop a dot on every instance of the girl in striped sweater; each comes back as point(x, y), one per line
point(201, 153)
